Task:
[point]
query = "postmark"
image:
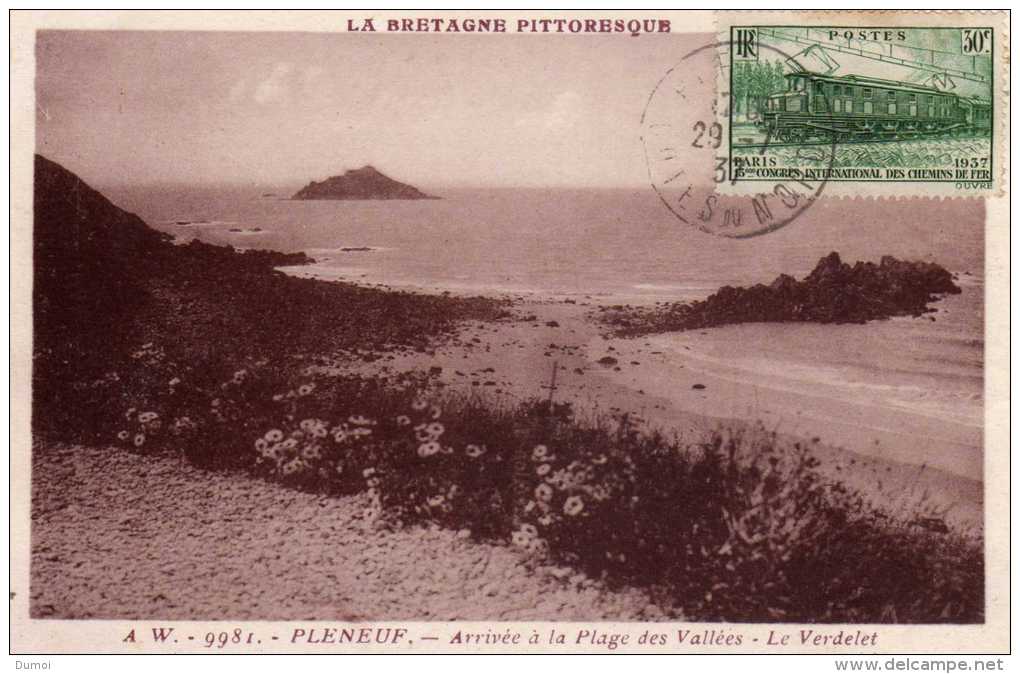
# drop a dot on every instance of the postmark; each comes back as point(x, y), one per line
point(909, 109)
point(685, 147)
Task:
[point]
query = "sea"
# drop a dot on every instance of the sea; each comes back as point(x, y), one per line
point(622, 246)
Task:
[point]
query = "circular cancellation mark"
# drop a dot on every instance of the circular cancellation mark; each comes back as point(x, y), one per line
point(685, 130)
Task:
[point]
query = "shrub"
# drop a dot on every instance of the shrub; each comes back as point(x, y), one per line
point(740, 526)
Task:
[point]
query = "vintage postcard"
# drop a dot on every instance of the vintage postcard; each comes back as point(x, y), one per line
point(510, 332)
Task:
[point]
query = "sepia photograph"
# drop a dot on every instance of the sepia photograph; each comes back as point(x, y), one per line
point(432, 322)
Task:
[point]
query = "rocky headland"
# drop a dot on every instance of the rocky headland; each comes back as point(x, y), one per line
point(834, 292)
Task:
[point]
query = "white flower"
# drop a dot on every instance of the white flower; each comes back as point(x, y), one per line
point(544, 493)
point(435, 412)
point(274, 435)
point(311, 452)
point(599, 460)
point(146, 417)
point(529, 530)
point(474, 451)
point(435, 429)
point(436, 501)
point(123, 435)
point(139, 439)
point(573, 505)
point(418, 405)
point(543, 469)
point(428, 449)
point(175, 381)
point(520, 539)
point(305, 389)
point(403, 420)
point(368, 472)
point(539, 453)
point(261, 444)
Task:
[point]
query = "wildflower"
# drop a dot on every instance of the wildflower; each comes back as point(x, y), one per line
point(291, 467)
point(599, 460)
point(422, 434)
point(436, 501)
point(539, 453)
point(418, 405)
point(474, 451)
point(240, 376)
point(311, 452)
point(130, 413)
point(599, 493)
point(545, 520)
point(529, 529)
point(573, 505)
point(319, 432)
point(520, 539)
point(447, 450)
point(435, 412)
point(543, 469)
point(368, 472)
point(307, 424)
point(538, 546)
point(123, 435)
point(361, 420)
point(428, 449)
point(372, 482)
point(261, 445)
point(139, 439)
point(305, 389)
point(435, 429)
point(275, 435)
point(146, 417)
point(289, 443)
point(372, 493)
point(358, 432)
point(403, 420)
point(544, 493)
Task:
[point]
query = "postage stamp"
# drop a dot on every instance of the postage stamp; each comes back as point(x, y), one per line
point(901, 106)
point(432, 331)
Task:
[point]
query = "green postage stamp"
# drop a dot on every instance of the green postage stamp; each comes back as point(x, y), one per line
point(903, 108)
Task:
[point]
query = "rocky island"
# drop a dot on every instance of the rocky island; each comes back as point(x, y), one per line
point(356, 184)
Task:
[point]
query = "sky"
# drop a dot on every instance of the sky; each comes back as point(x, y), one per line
point(141, 107)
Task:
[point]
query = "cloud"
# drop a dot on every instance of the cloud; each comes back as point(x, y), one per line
point(276, 86)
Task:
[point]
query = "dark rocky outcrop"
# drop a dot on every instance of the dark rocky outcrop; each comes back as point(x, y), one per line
point(105, 284)
point(363, 183)
point(834, 292)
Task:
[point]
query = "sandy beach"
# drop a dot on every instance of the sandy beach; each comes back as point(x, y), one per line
point(873, 449)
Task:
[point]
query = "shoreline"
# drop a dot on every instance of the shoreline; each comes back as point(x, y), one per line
point(514, 361)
